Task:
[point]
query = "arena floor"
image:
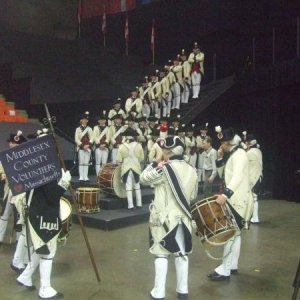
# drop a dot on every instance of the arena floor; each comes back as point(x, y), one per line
point(269, 259)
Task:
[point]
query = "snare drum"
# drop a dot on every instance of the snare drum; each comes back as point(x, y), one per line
point(109, 179)
point(88, 199)
point(215, 223)
point(66, 219)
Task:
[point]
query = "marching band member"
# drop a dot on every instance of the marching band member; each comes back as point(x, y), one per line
point(196, 59)
point(177, 86)
point(45, 226)
point(101, 140)
point(116, 110)
point(115, 134)
point(154, 149)
point(134, 104)
point(234, 170)
point(175, 185)
point(255, 172)
point(13, 141)
point(163, 127)
point(172, 80)
point(130, 155)
point(154, 93)
point(190, 145)
point(166, 95)
point(84, 139)
point(186, 73)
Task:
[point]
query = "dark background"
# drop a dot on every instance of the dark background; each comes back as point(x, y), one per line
point(75, 75)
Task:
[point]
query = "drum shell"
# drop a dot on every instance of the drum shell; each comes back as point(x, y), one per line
point(215, 223)
point(88, 199)
point(110, 182)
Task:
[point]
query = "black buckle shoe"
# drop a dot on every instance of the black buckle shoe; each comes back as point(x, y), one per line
point(182, 295)
point(217, 277)
point(16, 269)
point(234, 271)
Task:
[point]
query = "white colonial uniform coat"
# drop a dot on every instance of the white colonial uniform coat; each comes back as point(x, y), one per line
point(166, 213)
point(236, 178)
point(255, 165)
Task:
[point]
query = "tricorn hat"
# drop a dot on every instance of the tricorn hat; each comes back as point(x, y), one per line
point(225, 135)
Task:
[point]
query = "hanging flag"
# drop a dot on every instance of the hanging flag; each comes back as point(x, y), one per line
point(79, 11)
point(126, 30)
point(103, 28)
point(153, 38)
point(116, 6)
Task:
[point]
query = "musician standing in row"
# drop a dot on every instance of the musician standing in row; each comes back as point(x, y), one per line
point(101, 140)
point(134, 104)
point(175, 185)
point(115, 133)
point(196, 59)
point(234, 170)
point(186, 73)
point(84, 141)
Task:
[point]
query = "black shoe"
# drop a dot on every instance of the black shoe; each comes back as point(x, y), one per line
point(234, 271)
point(254, 223)
point(153, 298)
point(182, 296)
point(56, 296)
point(217, 277)
point(17, 270)
point(139, 207)
point(131, 208)
point(28, 287)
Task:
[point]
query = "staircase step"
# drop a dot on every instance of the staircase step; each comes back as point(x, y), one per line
point(22, 112)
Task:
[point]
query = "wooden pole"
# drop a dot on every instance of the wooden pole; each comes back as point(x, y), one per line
point(60, 156)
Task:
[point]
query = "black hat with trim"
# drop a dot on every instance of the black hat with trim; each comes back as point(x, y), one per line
point(225, 135)
point(16, 138)
point(117, 116)
point(130, 132)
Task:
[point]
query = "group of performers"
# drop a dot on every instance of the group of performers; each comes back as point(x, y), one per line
point(152, 146)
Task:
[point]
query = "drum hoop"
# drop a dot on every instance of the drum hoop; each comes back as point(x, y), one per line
point(67, 202)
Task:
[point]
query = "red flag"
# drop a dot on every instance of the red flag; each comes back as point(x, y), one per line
point(153, 38)
point(103, 28)
point(115, 6)
point(79, 11)
point(126, 30)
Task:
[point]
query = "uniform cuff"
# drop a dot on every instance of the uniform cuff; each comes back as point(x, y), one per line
point(228, 192)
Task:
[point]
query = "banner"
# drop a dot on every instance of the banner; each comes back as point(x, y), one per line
point(31, 164)
point(94, 8)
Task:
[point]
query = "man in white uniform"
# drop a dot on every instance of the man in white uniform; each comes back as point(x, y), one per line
point(130, 155)
point(234, 170)
point(175, 185)
point(255, 172)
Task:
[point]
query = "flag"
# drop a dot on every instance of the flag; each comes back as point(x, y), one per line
point(116, 6)
point(79, 11)
point(153, 38)
point(126, 30)
point(103, 28)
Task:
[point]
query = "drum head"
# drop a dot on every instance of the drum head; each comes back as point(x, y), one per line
point(119, 187)
point(65, 209)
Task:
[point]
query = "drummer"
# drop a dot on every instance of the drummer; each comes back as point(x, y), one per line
point(236, 193)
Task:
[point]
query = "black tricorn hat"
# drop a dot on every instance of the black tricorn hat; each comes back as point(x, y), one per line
point(250, 137)
point(102, 116)
point(170, 142)
point(142, 118)
point(16, 138)
point(155, 132)
point(225, 135)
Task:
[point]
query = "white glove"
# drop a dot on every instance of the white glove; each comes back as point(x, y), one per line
point(65, 179)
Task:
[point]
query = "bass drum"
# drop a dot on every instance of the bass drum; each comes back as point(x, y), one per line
point(66, 219)
point(110, 182)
